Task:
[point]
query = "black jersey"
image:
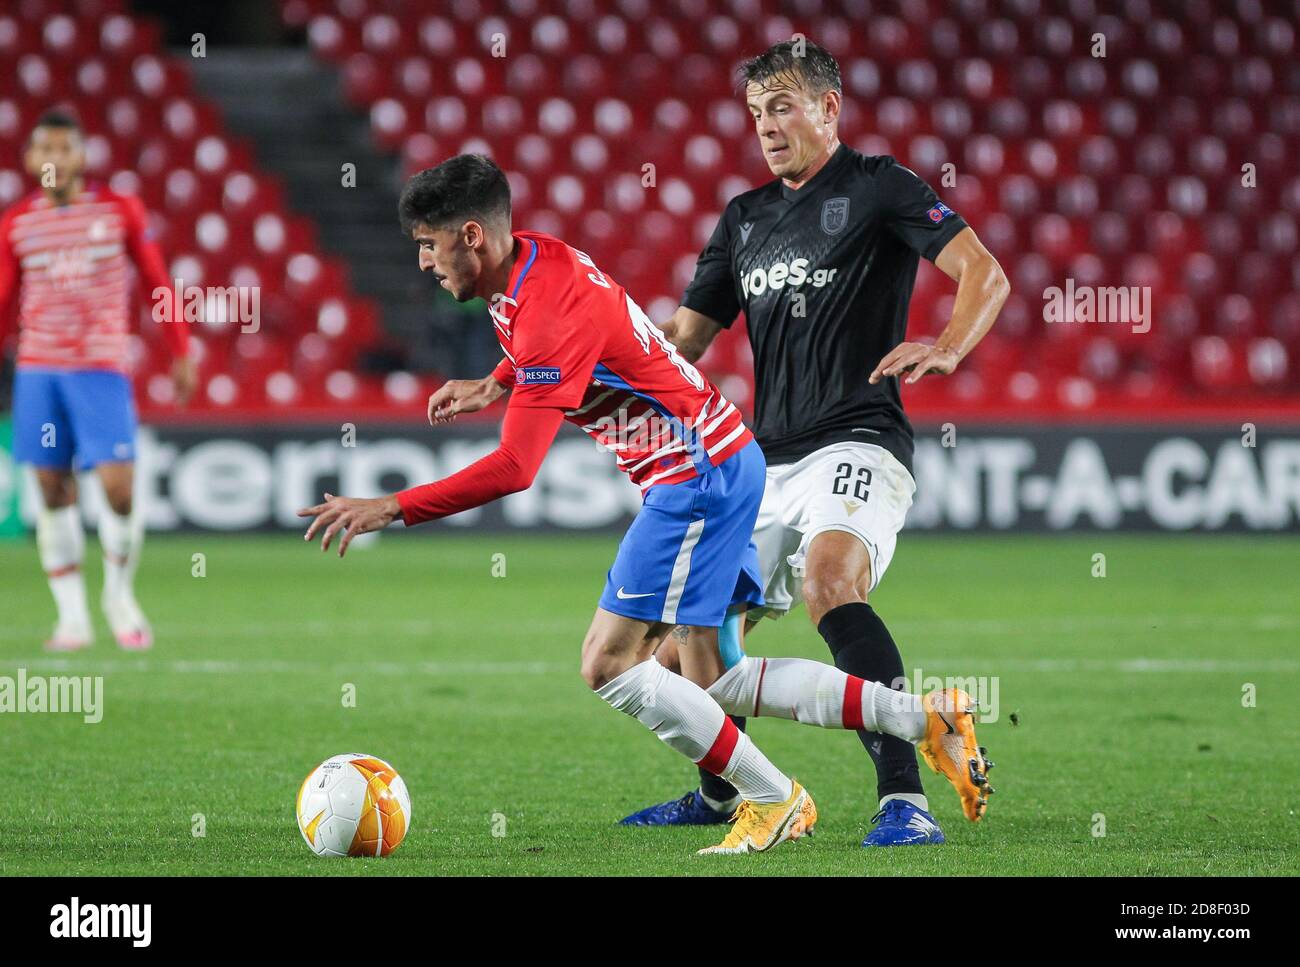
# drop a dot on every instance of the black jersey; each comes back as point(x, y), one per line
point(824, 275)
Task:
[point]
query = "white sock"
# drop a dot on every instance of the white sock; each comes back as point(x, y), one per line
point(121, 546)
point(721, 805)
point(62, 544)
point(684, 716)
point(815, 693)
point(892, 712)
point(754, 777)
point(805, 691)
point(915, 798)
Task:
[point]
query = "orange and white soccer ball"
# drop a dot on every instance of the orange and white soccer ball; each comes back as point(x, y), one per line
point(353, 805)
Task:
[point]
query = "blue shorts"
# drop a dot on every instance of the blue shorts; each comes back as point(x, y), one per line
point(59, 413)
point(688, 556)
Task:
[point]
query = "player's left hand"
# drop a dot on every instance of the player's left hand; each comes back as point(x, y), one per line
point(352, 515)
point(185, 377)
point(918, 357)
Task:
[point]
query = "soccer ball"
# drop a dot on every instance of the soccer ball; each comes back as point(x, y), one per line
point(353, 805)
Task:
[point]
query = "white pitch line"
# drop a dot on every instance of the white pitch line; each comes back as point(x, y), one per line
point(1129, 624)
point(980, 627)
point(307, 628)
point(941, 666)
point(451, 669)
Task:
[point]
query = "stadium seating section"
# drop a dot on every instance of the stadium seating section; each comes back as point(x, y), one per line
point(1122, 170)
point(219, 221)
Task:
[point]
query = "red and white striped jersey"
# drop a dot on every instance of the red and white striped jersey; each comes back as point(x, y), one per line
point(573, 338)
point(71, 267)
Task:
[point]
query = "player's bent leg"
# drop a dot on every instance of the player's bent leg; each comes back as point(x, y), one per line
point(61, 543)
point(619, 665)
point(838, 577)
point(769, 542)
point(796, 689)
point(715, 800)
point(120, 537)
point(818, 694)
point(709, 655)
point(688, 559)
point(948, 741)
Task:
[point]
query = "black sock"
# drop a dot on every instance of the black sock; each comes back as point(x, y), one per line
point(715, 787)
point(863, 647)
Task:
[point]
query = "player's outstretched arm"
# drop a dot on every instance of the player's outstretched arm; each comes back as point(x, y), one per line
point(526, 435)
point(351, 515)
point(691, 332)
point(982, 288)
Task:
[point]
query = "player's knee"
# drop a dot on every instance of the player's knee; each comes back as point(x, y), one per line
point(823, 593)
point(597, 672)
point(118, 499)
point(600, 665)
point(58, 490)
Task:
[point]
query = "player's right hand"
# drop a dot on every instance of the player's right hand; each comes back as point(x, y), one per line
point(461, 396)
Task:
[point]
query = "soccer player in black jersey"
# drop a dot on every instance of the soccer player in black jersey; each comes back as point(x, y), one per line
point(822, 261)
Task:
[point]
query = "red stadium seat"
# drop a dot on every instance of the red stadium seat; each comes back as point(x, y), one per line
point(283, 388)
point(1215, 365)
point(1268, 363)
point(389, 122)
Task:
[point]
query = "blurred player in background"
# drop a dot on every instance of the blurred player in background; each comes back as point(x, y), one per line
point(822, 261)
point(579, 349)
point(65, 252)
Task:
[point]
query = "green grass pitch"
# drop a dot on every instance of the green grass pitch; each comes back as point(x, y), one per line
point(1128, 691)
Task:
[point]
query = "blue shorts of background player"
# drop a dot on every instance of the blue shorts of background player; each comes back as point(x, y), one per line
point(688, 558)
point(62, 415)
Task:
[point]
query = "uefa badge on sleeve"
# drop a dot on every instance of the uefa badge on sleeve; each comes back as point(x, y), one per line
point(939, 212)
point(537, 375)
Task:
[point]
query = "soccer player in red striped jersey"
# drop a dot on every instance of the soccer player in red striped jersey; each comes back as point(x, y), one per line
point(579, 349)
point(66, 252)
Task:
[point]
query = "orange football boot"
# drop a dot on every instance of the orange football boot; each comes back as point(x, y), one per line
point(949, 747)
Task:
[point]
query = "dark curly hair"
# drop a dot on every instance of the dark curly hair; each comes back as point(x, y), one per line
point(468, 186)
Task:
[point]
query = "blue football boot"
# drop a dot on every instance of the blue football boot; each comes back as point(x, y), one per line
point(899, 823)
point(690, 810)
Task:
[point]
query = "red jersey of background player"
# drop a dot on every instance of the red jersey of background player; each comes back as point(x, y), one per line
point(73, 264)
point(577, 344)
